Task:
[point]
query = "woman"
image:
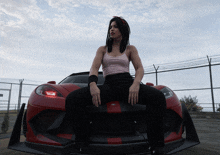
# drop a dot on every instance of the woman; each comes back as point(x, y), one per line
point(115, 57)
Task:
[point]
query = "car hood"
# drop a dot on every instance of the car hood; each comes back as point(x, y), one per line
point(69, 87)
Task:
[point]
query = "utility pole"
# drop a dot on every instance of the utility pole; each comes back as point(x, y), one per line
point(212, 94)
point(156, 74)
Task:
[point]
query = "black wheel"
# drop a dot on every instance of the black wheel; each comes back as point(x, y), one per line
point(24, 124)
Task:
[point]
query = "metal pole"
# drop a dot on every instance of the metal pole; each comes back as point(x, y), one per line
point(9, 100)
point(19, 96)
point(156, 74)
point(212, 94)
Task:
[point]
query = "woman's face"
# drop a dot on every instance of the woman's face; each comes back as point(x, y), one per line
point(114, 31)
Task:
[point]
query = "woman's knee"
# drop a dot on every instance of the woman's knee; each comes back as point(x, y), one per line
point(68, 101)
point(72, 100)
point(79, 98)
point(152, 95)
point(162, 98)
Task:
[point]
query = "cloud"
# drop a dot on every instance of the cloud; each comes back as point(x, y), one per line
point(29, 20)
point(63, 5)
point(34, 32)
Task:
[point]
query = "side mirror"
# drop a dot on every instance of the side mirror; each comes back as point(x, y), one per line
point(149, 84)
point(52, 82)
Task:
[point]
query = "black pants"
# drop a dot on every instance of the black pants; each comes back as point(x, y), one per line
point(116, 87)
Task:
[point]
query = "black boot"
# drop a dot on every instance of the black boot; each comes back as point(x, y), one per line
point(157, 151)
point(81, 142)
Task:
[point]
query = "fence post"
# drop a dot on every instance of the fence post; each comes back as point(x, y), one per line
point(156, 73)
point(19, 96)
point(9, 99)
point(210, 72)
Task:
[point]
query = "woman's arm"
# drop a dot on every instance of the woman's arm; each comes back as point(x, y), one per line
point(139, 73)
point(136, 61)
point(94, 90)
point(97, 61)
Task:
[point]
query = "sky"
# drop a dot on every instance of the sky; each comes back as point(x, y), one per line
point(45, 40)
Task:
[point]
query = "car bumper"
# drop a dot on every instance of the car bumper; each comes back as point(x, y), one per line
point(129, 148)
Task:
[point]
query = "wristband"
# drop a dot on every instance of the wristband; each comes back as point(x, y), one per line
point(92, 78)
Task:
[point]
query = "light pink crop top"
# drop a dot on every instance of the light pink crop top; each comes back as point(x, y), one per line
point(114, 65)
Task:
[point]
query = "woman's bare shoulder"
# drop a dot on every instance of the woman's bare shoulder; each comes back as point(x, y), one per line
point(131, 48)
point(101, 49)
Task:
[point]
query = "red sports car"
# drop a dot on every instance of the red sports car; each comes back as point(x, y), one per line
point(117, 127)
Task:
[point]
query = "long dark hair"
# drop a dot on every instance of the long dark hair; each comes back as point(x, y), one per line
point(125, 32)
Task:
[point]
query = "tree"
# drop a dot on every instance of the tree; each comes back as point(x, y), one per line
point(5, 123)
point(218, 108)
point(191, 103)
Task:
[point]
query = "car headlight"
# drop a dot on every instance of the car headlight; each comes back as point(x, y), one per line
point(167, 92)
point(48, 91)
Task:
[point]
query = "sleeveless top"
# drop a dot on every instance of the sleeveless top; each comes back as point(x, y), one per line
point(115, 65)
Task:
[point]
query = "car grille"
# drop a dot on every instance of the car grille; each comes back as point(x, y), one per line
point(120, 123)
point(42, 121)
point(109, 123)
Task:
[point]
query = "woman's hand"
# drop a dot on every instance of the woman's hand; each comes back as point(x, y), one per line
point(95, 92)
point(133, 93)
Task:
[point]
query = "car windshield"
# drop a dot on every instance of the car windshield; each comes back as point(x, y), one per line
point(81, 79)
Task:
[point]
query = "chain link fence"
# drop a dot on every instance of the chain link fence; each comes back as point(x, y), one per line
point(196, 77)
point(12, 94)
